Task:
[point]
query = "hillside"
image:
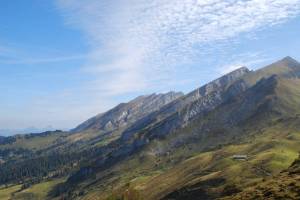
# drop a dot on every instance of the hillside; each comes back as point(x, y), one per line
point(285, 185)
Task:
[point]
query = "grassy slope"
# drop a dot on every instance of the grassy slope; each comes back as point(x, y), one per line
point(289, 92)
point(286, 185)
point(36, 192)
point(270, 152)
point(5, 193)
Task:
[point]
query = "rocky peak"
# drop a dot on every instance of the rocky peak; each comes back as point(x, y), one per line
point(289, 60)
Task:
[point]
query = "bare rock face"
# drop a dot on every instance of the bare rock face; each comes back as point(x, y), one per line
point(219, 84)
point(180, 111)
point(214, 93)
point(126, 113)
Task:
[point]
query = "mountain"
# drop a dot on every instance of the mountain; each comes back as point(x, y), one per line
point(170, 117)
point(109, 126)
point(204, 120)
point(173, 146)
point(200, 100)
point(209, 96)
point(106, 127)
point(9, 132)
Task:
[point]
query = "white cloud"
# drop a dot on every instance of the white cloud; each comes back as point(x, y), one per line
point(135, 43)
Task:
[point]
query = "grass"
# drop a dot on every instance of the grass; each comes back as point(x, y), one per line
point(286, 185)
point(35, 192)
point(5, 193)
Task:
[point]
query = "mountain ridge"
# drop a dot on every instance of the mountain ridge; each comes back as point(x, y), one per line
point(265, 85)
point(181, 146)
point(117, 116)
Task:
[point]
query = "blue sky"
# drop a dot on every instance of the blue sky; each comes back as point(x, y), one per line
point(64, 61)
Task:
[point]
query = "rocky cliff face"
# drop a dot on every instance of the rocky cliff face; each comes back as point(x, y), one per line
point(126, 113)
point(179, 112)
point(214, 93)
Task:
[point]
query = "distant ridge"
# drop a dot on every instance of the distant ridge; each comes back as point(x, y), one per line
point(10, 132)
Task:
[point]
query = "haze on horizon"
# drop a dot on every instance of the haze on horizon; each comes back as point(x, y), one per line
point(64, 61)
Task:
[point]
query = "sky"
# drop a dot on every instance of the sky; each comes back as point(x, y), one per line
point(63, 61)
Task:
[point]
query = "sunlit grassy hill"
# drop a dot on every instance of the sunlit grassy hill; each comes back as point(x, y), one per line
point(285, 185)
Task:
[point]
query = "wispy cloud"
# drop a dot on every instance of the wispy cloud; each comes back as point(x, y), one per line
point(135, 42)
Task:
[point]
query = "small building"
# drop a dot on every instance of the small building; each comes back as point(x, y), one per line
point(239, 157)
